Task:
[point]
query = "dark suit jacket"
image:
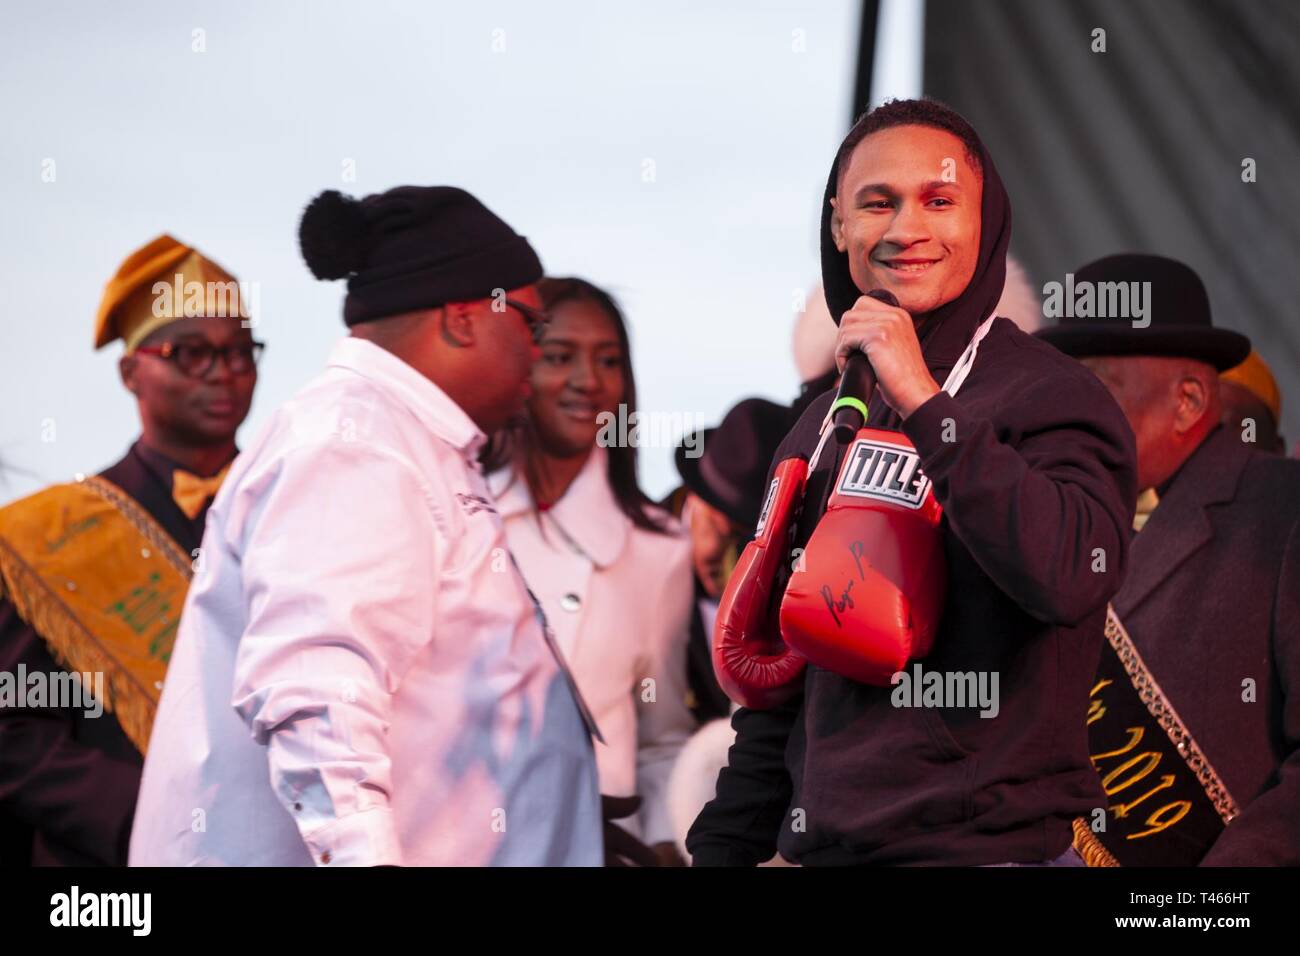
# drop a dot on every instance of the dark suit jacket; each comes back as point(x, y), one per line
point(709, 701)
point(1212, 600)
point(68, 783)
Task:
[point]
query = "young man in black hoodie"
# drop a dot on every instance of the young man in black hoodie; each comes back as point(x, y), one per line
point(1034, 468)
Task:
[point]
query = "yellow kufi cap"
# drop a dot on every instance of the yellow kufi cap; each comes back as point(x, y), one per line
point(133, 305)
point(1255, 377)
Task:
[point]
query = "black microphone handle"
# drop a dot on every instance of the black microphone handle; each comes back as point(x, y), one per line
point(849, 410)
point(856, 385)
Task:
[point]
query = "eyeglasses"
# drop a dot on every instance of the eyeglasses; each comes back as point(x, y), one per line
point(197, 359)
point(537, 319)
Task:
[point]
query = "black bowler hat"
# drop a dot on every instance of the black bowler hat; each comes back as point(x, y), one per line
point(730, 472)
point(1179, 318)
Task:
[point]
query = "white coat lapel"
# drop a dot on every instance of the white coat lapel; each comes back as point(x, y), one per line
point(588, 515)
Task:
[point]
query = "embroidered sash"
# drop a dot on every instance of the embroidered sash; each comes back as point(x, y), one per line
point(1167, 804)
point(103, 584)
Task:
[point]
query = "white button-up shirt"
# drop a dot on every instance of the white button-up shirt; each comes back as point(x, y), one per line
point(360, 677)
point(619, 601)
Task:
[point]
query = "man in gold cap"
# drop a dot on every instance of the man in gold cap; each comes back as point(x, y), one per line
point(93, 573)
point(1252, 404)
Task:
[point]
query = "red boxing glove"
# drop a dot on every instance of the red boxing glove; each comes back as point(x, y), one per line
point(868, 594)
point(753, 664)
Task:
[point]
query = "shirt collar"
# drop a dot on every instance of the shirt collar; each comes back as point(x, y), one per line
point(158, 464)
point(588, 513)
point(162, 466)
point(430, 404)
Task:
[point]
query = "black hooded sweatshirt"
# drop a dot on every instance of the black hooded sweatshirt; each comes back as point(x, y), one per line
point(1038, 485)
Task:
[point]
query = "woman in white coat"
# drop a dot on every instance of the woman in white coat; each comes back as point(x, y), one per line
point(611, 571)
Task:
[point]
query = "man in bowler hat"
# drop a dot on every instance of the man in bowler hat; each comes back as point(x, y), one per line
point(719, 502)
point(1200, 761)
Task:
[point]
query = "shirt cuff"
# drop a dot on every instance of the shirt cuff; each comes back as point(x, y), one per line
point(366, 838)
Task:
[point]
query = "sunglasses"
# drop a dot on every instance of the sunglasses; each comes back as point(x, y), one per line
point(196, 359)
point(537, 319)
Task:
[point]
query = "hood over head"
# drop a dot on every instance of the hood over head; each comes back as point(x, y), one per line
point(945, 332)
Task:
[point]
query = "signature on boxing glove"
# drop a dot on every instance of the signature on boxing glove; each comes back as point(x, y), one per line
point(837, 605)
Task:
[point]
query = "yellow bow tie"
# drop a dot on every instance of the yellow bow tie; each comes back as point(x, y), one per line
point(1146, 504)
point(191, 493)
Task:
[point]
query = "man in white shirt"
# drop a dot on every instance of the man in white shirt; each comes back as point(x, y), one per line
point(361, 677)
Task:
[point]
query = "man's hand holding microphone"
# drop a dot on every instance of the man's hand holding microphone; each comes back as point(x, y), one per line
point(886, 333)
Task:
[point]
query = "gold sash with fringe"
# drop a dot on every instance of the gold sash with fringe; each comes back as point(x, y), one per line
point(103, 584)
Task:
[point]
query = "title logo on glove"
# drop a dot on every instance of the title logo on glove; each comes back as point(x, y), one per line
point(767, 506)
point(885, 471)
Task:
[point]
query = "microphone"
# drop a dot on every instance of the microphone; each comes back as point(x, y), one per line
point(849, 410)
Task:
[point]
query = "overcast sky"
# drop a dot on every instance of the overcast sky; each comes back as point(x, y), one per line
point(672, 152)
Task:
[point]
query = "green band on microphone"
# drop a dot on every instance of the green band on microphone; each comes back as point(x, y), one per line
point(848, 401)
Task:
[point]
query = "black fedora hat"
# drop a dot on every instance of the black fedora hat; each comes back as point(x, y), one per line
point(1177, 313)
point(734, 457)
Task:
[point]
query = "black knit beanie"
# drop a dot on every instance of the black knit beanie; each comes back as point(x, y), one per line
point(413, 247)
